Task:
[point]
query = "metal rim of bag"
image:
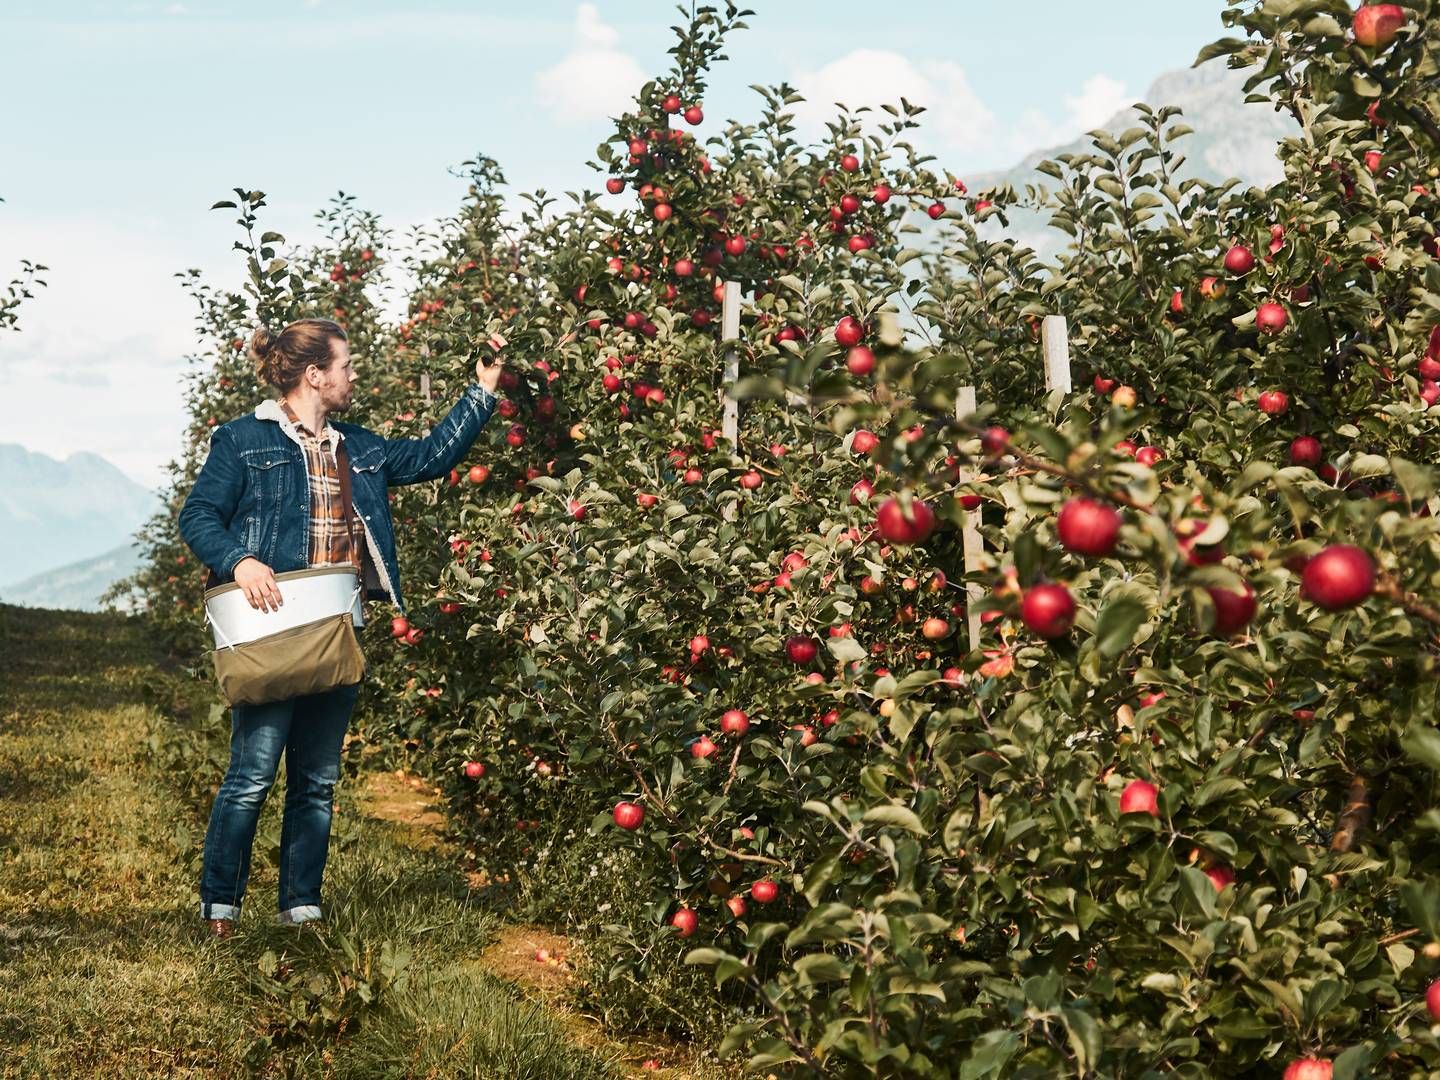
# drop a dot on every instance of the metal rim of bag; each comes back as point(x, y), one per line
point(228, 634)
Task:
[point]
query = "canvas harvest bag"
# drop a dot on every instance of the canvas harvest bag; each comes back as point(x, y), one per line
point(311, 648)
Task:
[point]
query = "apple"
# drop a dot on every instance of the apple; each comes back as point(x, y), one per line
point(1234, 607)
point(1432, 999)
point(898, 527)
point(850, 163)
point(1103, 385)
point(399, 626)
point(1211, 288)
point(702, 747)
point(454, 477)
point(1271, 317)
point(807, 734)
point(413, 635)
point(1338, 577)
point(801, 649)
point(935, 628)
point(1308, 1069)
point(662, 211)
point(1428, 368)
point(1149, 455)
point(1177, 302)
point(764, 891)
point(881, 194)
point(685, 920)
point(646, 500)
point(615, 185)
point(628, 815)
point(860, 360)
point(1239, 260)
point(577, 509)
point(478, 474)
point(751, 480)
point(1140, 797)
point(1048, 610)
point(861, 491)
point(1305, 450)
point(1273, 402)
point(736, 904)
point(474, 769)
point(694, 114)
point(848, 331)
point(1375, 27)
point(863, 442)
point(1220, 876)
point(449, 607)
point(1088, 527)
point(1125, 397)
point(935, 210)
point(734, 722)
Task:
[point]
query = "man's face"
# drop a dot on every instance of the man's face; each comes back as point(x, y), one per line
point(337, 381)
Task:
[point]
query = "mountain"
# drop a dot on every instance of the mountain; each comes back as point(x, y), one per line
point(54, 513)
point(77, 586)
point(1231, 137)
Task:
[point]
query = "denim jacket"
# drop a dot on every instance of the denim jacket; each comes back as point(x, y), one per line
point(252, 496)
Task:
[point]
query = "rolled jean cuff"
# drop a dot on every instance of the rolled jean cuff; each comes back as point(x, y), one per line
point(219, 911)
point(300, 914)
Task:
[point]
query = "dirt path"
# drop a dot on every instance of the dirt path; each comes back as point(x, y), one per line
point(538, 960)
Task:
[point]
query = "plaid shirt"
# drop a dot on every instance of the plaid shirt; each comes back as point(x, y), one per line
point(334, 540)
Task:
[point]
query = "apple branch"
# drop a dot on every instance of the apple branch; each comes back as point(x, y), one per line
point(1354, 816)
point(1421, 119)
point(1388, 587)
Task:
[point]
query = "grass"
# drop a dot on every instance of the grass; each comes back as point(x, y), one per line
point(108, 763)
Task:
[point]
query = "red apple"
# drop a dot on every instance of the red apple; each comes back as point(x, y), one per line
point(1088, 527)
point(1305, 450)
point(1239, 260)
point(1432, 999)
point(1234, 607)
point(1375, 27)
point(694, 114)
point(703, 747)
point(935, 210)
point(734, 722)
point(474, 769)
point(898, 527)
point(751, 480)
point(881, 194)
point(1048, 610)
point(764, 891)
point(478, 474)
point(629, 815)
point(1308, 1069)
point(863, 442)
point(615, 185)
point(861, 491)
point(1220, 876)
point(1140, 797)
point(399, 626)
point(848, 331)
point(1273, 402)
point(935, 628)
point(685, 920)
point(1271, 318)
point(413, 635)
point(860, 360)
point(1338, 577)
point(1103, 385)
point(1211, 288)
point(801, 649)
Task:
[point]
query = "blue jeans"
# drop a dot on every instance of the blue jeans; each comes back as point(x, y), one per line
point(309, 730)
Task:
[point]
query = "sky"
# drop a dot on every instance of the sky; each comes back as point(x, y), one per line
point(126, 120)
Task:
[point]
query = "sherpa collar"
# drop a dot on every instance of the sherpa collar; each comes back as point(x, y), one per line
point(270, 409)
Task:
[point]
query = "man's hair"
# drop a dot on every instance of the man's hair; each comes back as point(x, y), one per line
point(281, 359)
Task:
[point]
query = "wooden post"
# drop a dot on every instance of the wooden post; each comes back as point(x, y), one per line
point(425, 386)
point(730, 332)
point(1055, 341)
point(974, 544)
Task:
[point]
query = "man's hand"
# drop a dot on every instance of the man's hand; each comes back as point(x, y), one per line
point(488, 375)
point(257, 582)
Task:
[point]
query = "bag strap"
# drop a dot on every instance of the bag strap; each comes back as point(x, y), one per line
point(342, 466)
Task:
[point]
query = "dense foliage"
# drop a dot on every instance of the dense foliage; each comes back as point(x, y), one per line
point(1172, 814)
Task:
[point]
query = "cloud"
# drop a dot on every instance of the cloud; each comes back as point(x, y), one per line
point(874, 77)
point(956, 119)
point(593, 81)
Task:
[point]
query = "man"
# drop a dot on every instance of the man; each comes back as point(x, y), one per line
point(269, 499)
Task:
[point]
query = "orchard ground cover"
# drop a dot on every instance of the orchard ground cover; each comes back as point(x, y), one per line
point(707, 703)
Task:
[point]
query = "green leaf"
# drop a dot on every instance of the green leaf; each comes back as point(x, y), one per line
point(820, 967)
point(1115, 627)
point(988, 1054)
point(1422, 742)
point(890, 814)
point(1085, 1041)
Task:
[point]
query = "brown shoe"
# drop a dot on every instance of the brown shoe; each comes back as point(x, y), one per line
point(220, 928)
